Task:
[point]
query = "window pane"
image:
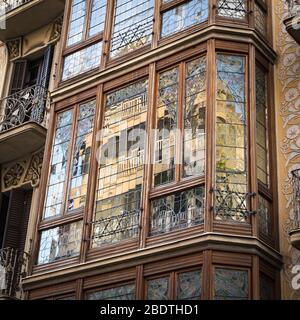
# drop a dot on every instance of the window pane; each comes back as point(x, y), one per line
point(97, 19)
point(77, 22)
point(264, 214)
point(184, 16)
point(54, 198)
point(158, 289)
point(82, 61)
point(262, 143)
point(194, 118)
point(189, 285)
point(234, 9)
point(177, 211)
point(120, 175)
point(119, 293)
point(166, 124)
point(61, 242)
point(81, 156)
point(260, 20)
point(231, 140)
point(132, 25)
point(231, 284)
point(267, 288)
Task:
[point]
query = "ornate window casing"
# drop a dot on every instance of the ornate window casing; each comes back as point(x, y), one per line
point(83, 44)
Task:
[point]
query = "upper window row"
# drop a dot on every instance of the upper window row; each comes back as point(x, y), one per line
point(133, 22)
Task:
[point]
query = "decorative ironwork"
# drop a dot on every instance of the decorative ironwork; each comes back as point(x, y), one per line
point(10, 5)
point(293, 7)
point(296, 199)
point(13, 267)
point(116, 228)
point(24, 106)
point(233, 9)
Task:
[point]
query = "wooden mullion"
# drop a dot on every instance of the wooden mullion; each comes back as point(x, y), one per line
point(250, 6)
point(83, 44)
point(212, 13)
point(87, 19)
point(139, 283)
point(79, 289)
point(108, 29)
point(156, 24)
point(207, 276)
point(172, 286)
point(170, 5)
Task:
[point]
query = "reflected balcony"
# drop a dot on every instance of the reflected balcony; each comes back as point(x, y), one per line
point(20, 17)
point(21, 124)
point(295, 232)
point(292, 21)
point(13, 268)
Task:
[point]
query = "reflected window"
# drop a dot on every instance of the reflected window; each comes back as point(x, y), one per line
point(60, 243)
point(183, 16)
point(133, 24)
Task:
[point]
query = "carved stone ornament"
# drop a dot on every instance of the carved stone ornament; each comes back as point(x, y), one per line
point(24, 171)
point(56, 29)
point(14, 48)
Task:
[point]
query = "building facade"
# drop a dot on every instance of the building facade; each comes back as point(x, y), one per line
point(150, 149)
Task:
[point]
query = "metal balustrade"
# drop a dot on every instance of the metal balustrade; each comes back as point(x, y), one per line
point(296, 199)
point(10, 5)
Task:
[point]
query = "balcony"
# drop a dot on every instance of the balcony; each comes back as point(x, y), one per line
point(13, 266)
point(21, 123)
point(292, 22)
point(295, 232)
point(20, 17)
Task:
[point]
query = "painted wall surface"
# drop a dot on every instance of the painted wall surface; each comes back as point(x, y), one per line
point(287, 105)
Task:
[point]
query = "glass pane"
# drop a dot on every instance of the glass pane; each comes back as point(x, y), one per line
point(126, 292)
point(120, 175)
point(132, 25)
point(264, 214)
point(82, 61)
point(231, 140)
point(184, 16)
point(59, 243)
point(81, 156)
point(231, 284)
point(189, 285)
point(267, 288)
point(97, 19)
point(262, 143)
point(58, 165)
point(77, 22)
point(194, 118)
point(166, 124)
point(233, 9)
point(260, 19)
point(177, 211)
point(158, 289)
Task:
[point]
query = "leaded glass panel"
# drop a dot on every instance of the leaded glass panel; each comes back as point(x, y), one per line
point(60, 242)
point(133, 24)
point(231, 284)
point(81, 156)
point(231, 140)
point(77, 22)
point(97, 19)
point(82, 61)
point(260, 19)
point(264, 214)
point(177, 211)
point(158, 289)
point(120, 175)
point(126, 292)
point(189, 285)
point(58, 165)
point(233, 9)
point(166, 124)
point(184, 16)
point(194, 118)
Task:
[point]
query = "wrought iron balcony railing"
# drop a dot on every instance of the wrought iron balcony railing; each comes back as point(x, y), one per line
point(296, 199)
point(13, 268)
point(293, 7)
point(116, 228)
point(10, 5)
point(24, 106)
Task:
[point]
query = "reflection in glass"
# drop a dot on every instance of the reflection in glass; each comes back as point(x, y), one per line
point(166, 124)
point(231, 284)
point(77, 21)
point(97, 19)
point(158, 289)
point(60, 242)
point(189, 285)
point(120, 175)
point(184, 16)
point(264, 214)
point(194, 118)
point(132, 26)
point(81, 156)
point(126, 292)
point(231, 140)
point(54, 197)
point(177, 211)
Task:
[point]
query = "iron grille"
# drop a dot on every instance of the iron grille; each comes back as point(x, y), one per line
point(296, 199)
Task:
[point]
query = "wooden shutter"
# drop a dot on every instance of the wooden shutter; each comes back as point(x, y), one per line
point(18, 76)
point(44, 75)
